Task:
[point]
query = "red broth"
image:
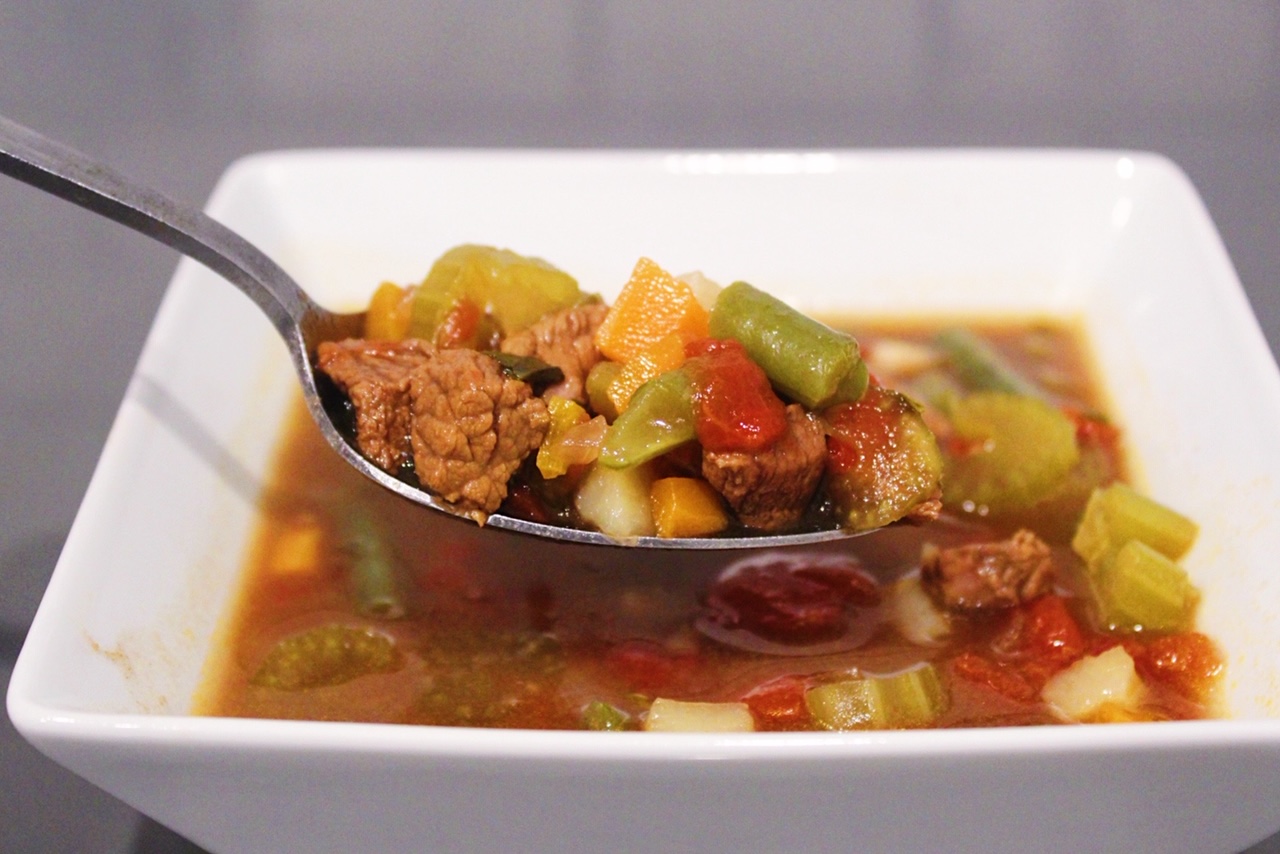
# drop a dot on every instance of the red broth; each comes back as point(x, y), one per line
point(485, 628)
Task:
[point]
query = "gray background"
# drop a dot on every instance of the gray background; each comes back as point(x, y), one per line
point(171, 91)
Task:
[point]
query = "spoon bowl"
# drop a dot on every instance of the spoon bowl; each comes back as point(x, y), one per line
point(303, 324)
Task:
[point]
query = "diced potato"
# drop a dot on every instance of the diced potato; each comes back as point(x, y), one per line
point(1093, 683)
point(616, 500)
point(915, 615)
point(682, 716)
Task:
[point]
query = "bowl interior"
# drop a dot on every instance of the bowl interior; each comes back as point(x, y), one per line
point(1118, 241)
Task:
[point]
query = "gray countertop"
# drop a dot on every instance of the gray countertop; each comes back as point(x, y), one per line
point(172, 91)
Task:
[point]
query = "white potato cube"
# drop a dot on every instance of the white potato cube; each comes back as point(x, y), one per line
point(1095, 681)
point(681, 716)
point(617, 501)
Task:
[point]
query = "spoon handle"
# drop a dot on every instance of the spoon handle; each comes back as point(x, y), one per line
point(68, 174)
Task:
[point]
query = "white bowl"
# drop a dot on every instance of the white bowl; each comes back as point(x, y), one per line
point(1118, 240)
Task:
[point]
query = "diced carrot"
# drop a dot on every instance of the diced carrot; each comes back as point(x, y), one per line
point(652, 305)
point(299, 548)
point(686, 507)
point(389, 310)
point(665, 354)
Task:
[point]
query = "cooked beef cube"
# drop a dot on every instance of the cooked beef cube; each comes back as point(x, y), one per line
point(375, 375)
point(928, 509)
point(988, 576)
point(770, 489)
point(565, 339)
point(472, 427)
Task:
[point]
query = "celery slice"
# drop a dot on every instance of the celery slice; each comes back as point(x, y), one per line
point(1138, 588)
point(1117, 514)
point(911, 698)
point(515, 289)
point(1019, 450)
point(599, 715)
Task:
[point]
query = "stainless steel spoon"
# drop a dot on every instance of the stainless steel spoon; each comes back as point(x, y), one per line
point(68, 174)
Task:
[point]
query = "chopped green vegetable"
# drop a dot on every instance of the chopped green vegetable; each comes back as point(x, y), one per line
point(327, 655)
point(883, 461)
point(980, 366)
point(597, 383)
point(527, 369)
point(374, 568)
point(658, 419)
point(515, 290)
point(806, 360)
point(599, 715)
point(1141, 589)
point(1118, 514)
point(912, 698)
point(1010, 452)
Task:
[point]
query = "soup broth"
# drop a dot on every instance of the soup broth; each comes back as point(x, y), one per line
point(359, 606)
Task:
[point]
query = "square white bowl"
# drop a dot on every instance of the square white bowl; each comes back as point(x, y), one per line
point(1117, 240)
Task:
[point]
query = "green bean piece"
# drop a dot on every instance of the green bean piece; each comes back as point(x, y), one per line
point(326, 655)
point(807, 361)
point(374, 569)
point(980, 366)
point(659, 419)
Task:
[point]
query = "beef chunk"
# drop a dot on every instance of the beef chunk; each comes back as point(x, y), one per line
point(989, 576)
point(472, 427)
point(770, 489)
point(375, 375)
point(466, 426)
point(565, 339)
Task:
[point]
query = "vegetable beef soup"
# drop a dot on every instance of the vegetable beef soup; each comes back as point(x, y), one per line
point(1045, 591)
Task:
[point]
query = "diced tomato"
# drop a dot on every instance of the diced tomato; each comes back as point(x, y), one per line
point(1187, 663)
point(460, 326)
point(648, 667)
point(1093, 429)
point(1042, 637)
point(1004, 679)
point(779, 704)
point(735, 408)
point(867, 427)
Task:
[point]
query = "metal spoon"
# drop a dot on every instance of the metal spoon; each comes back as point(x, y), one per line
point(68, 174)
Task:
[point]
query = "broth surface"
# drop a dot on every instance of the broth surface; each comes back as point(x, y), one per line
point(487, 628)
